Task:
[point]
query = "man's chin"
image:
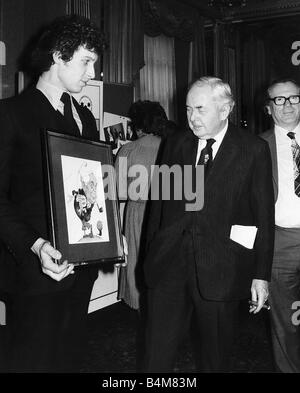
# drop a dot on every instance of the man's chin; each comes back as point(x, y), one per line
point(199, 132)
point(77, 89)
point(291, 121)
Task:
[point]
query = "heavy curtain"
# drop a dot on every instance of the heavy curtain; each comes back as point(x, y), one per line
point(157, 77)
point(124, 29)
point(197, 58)
point(126, 22)
point(256, 69)
point(185, 26)
point(78, 7)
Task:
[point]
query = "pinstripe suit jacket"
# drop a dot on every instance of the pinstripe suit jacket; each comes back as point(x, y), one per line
point(238, 190)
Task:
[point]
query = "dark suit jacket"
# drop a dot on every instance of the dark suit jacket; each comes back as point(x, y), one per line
point(23, 209)
point(238, 190)
point(269, 136)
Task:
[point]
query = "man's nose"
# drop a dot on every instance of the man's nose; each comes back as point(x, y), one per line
point(192, 115)
point(287, 102)
point(91, 71)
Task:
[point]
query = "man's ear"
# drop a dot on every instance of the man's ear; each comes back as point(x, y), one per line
point(225, 111)
point(57, 57)
point(267, 110)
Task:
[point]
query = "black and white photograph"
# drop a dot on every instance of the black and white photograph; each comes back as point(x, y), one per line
point(149, 190)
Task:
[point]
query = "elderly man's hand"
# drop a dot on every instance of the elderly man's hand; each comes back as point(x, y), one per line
point(260, 293)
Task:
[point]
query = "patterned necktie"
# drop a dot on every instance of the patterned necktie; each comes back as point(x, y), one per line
point(296, 162)
point(68, 114)
point(206, 156)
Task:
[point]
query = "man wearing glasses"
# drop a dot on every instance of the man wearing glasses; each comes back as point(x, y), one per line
point(283, 104)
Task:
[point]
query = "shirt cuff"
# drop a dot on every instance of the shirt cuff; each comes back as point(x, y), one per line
point(37, 245)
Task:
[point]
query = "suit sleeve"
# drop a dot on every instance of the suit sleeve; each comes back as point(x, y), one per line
point(262, 201)
point(154, 206)
point(15, 233)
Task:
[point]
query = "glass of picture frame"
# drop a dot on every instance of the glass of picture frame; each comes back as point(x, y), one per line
point(84, 218)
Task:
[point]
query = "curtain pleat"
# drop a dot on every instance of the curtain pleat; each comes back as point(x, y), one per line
point(124, 29)
point(255, 75)
point(197, 67)
point(78, 7)
point(157, 77)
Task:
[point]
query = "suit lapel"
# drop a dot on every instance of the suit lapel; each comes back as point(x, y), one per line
point(88, 128)
point(83, 119)
point(270, 137)
point(226, 153)
point(46, 114)
point(189, 149)
point(56, 121)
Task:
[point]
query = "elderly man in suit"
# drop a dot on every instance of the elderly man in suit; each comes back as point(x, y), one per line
point(283, 104)
point(48, 304)
point(195, 264)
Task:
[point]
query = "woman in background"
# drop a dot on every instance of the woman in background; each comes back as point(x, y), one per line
point(148, 121)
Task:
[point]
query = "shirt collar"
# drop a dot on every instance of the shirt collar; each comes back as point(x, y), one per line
point(281, 133)
point(52, 92)
point(219, 137)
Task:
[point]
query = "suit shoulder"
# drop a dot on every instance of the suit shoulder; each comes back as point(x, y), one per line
point(179, 137)
point(26, 98)
point(251, 139)
point(175, 141)
point(266, 134)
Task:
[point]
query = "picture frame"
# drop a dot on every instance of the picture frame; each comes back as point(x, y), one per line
point(84, 218)
point(116, 131)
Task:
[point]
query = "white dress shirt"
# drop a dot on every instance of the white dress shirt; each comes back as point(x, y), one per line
point(53, 94)
point(287, 207)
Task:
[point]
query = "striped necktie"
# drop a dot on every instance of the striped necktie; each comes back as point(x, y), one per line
point(296, 162)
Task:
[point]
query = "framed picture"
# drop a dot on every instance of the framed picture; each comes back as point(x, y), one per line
point(84, 215)
point(116, 131)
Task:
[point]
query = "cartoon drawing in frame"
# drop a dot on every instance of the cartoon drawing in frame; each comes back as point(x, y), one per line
point(84, 200)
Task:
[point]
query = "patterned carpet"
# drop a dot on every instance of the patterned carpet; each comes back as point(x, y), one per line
point(112, 344)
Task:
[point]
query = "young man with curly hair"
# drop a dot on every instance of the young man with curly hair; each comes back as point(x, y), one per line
point(47, 310)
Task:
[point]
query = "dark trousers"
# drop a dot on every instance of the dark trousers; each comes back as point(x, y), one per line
point(48, 331)
point(285, 300)
point(171, 307)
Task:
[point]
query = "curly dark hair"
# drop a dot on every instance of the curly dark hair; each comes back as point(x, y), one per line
point(148, 116)
point(65, 35)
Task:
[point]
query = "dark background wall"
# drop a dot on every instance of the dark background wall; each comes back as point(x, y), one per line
point(21, 21)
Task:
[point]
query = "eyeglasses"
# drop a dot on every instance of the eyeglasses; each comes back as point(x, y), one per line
point(280, 100)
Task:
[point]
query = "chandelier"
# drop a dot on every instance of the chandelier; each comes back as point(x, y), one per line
point(226, 4)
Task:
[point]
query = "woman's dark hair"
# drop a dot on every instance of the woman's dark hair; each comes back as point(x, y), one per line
point(148, 116)
point(170, 128)
point(65, 35)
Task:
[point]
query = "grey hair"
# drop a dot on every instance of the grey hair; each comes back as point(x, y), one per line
point(220, 89)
